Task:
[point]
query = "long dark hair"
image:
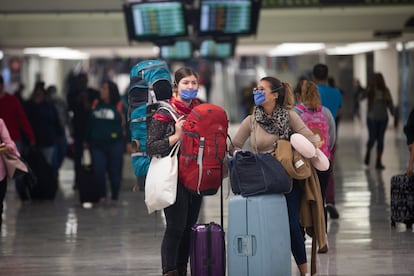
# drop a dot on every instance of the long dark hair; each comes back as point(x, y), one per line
point(377, 83)
point(114, 96)
point(286, 97)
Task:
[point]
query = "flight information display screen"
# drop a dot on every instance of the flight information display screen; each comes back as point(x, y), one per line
point(152, 20)
point(225, 17)
point(216, 49)
point(180, 50)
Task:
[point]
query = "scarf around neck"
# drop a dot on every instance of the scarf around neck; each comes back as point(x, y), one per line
point(179, 108)
point(275, 123)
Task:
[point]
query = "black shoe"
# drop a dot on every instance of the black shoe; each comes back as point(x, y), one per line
point(379, 166)
point(366, 159)
point(333, 213)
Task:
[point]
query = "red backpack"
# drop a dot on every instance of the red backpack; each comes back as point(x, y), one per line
point(203, 148)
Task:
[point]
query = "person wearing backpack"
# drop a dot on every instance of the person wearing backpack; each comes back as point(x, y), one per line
point(271, 116)
point(319, 119)
point(331, 98)
point(163, 132)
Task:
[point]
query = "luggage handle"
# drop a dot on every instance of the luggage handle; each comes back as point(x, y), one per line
point(245, 245)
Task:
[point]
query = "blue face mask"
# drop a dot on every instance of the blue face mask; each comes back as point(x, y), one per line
point(187, 95)
point(259, 97)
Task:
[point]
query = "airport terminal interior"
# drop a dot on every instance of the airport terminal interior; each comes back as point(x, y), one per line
point(59, 237)
point(287, 38)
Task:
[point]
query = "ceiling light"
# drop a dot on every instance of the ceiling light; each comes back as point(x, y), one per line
point(409, 45)
point(357, 48)
point(56, 53)
point(292, 49)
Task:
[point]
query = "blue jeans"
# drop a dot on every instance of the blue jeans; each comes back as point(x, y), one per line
point(108, 160)
point(59, 153)
point(180, 217)
point(297, 238)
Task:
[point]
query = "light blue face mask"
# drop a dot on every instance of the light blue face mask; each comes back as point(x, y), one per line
point(259, 97)
point(188, 94)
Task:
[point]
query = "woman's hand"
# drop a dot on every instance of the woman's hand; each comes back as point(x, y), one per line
point(178, 131)
point(4, 148)
point(179, 125)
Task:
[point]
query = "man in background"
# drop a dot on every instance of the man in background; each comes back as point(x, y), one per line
point(332, 99)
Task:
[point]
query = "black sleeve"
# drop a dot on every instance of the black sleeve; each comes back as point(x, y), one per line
point(409, 128)
point(157, 138)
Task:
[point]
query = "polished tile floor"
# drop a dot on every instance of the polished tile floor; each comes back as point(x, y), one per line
point(60, 238)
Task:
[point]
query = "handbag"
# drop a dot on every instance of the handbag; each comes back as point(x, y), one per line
point(161, 181)
point(15, 166)
point(257, 173)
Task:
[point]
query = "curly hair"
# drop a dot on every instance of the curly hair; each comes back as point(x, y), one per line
point(310, 94)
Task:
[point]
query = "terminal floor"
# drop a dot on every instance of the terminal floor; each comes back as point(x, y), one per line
point(59, 237)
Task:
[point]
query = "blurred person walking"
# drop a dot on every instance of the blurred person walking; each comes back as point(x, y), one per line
point(105, 137)
point(14, 116)
point(379, 103)
point(79, 99)
point(331, 98)
point(7, 146)
point(60, 148)
point(44, 119)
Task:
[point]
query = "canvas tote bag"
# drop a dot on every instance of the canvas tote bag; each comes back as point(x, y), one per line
point(161, 181)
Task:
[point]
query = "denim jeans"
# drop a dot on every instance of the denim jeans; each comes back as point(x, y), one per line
point(297, 238)
point(59, 153)
point(180, 217)
point(108, 160)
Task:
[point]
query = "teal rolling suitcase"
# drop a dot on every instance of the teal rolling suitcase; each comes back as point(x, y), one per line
point(258, 237)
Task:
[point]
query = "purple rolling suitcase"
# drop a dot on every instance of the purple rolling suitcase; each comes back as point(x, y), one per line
point(207, 257)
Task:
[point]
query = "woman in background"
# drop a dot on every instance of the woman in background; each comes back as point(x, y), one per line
point(105, 138)
point(379, 102)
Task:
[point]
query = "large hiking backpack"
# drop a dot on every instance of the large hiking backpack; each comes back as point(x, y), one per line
point(150, 85)
point(203, 148)
point(318, 122)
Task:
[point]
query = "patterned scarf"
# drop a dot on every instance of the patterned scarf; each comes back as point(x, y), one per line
point(275, 123)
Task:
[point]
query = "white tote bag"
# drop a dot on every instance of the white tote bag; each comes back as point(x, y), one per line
point(161, 181)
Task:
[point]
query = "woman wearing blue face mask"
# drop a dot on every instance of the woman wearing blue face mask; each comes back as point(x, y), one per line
point(163, 133)
point(273, 118)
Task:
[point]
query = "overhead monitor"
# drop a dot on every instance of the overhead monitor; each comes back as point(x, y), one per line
point(155, 20)
point(180, 50)
point(228, 17)
point(213, 49)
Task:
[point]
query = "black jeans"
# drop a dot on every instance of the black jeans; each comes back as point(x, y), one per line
point(3, 189)
point(376, 133)
point(180, 217)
